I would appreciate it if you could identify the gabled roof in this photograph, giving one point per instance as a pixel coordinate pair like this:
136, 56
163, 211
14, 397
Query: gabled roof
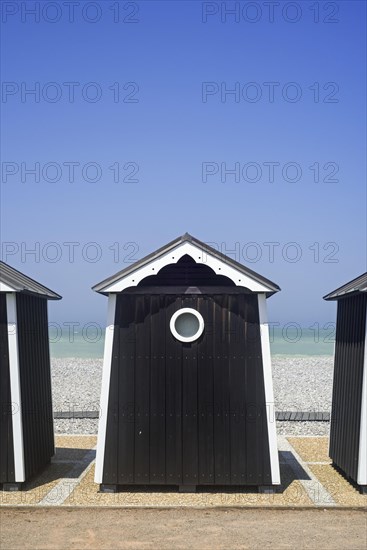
201, 253
359, 284
12, 280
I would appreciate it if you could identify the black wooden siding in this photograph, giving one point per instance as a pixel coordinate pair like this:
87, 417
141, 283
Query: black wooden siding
35, 382
189, 414
186, 272
7, 473
347, 384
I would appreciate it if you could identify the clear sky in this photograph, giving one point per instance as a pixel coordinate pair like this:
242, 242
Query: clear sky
144, 88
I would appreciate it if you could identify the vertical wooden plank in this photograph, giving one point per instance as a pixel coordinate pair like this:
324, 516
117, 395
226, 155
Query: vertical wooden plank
269, 427
221, 392
157, 392
24, 370
7, 473
173, 396
25, 332
35, 382
258, 457
251, 362
335, 426
126, 399
50, 422
109, 357
205, 393
111, 450
237, 383
189, 406
15, 385
353, 411
142, 388
347, 383
31, 325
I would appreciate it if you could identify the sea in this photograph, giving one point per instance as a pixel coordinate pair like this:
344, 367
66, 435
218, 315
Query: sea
291, 340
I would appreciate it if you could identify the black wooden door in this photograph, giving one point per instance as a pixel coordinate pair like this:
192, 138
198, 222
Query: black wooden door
187, 413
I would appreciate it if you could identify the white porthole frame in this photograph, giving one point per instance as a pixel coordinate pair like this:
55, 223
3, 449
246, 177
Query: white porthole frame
180, 312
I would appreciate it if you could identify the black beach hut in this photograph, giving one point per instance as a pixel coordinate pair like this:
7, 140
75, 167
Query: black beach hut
187, 395
348, 430
26, 428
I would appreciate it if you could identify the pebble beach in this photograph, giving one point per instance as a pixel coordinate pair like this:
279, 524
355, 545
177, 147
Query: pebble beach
301, 383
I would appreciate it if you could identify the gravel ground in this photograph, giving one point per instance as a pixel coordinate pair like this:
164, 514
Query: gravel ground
303, 383
76, 384
300, 384
303, 428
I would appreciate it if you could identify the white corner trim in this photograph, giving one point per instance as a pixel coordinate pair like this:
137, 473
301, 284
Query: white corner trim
15, 391
269, 394
105, 389
219, 266
362, 458
6, 288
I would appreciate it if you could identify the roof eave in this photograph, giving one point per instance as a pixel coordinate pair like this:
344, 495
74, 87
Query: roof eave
16, 281
101, 287
332, 297
353, 287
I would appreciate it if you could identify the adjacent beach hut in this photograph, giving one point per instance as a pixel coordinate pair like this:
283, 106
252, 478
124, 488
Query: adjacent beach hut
348, 434
187, 395
26, 428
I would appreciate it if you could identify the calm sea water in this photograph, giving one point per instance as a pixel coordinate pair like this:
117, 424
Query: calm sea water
286, 341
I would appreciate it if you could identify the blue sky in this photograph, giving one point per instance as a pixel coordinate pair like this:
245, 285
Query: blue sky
142, 101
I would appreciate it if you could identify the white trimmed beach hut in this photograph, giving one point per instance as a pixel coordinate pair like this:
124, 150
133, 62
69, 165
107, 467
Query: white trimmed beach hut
348, 430
26, 428
187, 393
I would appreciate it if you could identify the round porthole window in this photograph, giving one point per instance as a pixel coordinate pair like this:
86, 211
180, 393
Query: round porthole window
187, 324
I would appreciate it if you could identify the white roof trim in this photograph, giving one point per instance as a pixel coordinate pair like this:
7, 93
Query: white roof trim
6, 288
220, 267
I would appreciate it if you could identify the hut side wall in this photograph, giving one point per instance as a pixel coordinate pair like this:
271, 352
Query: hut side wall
35, 382
347, 384
187, 413
7, 472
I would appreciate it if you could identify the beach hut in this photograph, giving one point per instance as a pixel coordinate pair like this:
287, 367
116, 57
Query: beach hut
348, 430
26, 427
187, 396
